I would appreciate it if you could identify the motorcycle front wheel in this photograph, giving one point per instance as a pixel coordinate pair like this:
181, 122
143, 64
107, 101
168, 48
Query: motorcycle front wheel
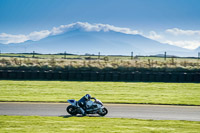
71, 110
104, 112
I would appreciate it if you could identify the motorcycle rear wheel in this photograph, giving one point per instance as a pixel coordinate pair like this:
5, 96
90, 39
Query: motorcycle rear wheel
71, 110
104, 112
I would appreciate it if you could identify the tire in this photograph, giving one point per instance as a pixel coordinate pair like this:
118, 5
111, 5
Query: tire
71, 110
104, 112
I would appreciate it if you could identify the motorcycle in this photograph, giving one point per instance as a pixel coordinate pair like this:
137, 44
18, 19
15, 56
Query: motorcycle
95, 107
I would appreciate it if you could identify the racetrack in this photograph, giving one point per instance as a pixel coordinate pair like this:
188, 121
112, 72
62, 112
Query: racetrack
138, 111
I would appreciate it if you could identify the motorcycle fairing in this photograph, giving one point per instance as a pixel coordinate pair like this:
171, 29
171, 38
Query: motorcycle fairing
72, 102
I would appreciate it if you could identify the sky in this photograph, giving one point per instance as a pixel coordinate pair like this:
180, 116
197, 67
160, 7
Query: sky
176, 22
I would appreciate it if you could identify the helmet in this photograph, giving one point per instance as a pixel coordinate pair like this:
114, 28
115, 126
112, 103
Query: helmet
87, 96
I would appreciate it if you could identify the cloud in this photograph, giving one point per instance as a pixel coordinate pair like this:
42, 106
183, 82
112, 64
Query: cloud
176, 31
154, 36
8, 38
106, 28
37, 35
92, 27
34, 36
189, 39
61, 29
185, 44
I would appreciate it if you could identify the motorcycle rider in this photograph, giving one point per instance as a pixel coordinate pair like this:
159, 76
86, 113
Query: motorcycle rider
82, 103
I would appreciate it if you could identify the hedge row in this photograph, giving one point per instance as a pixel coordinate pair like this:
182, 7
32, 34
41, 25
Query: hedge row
101, 76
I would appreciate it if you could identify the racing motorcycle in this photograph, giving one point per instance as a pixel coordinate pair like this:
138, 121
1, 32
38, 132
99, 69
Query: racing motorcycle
95, 107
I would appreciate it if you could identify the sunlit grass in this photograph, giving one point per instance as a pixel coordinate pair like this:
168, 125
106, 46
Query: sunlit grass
93, 124
109, 92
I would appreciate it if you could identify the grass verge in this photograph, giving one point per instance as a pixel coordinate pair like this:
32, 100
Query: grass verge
93, 124
92, 63
108, 92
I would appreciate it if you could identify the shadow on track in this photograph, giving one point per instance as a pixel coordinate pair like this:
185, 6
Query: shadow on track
68, 116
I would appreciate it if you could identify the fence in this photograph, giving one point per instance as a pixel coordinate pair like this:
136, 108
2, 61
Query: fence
102, 76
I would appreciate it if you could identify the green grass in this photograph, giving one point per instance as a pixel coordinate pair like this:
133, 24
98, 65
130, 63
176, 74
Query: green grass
123, 57
93, 124
56, 56
108, 92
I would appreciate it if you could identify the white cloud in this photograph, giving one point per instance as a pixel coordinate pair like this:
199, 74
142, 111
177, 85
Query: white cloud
37, 35
189, 39
184, 44
106, 28
34, 36
176, 31
92, 27
61, 29
8, 38
154, 36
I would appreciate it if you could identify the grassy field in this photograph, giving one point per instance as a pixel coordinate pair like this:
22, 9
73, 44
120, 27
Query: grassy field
108, 92
123, 63
57, 56
93, 124
112, 57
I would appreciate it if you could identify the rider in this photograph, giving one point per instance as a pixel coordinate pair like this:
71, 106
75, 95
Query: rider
82, 102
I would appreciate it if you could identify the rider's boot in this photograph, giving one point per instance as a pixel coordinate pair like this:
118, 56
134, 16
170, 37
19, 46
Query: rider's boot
83, 112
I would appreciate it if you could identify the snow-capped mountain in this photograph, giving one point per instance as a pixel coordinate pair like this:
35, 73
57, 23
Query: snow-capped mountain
81, 38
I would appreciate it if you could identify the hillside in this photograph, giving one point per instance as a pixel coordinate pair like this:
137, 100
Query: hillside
79, 40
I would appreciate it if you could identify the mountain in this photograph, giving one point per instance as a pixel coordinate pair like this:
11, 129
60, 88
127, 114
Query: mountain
78, 40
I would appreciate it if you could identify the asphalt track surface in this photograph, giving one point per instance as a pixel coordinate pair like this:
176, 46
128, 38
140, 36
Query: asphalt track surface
138, 111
